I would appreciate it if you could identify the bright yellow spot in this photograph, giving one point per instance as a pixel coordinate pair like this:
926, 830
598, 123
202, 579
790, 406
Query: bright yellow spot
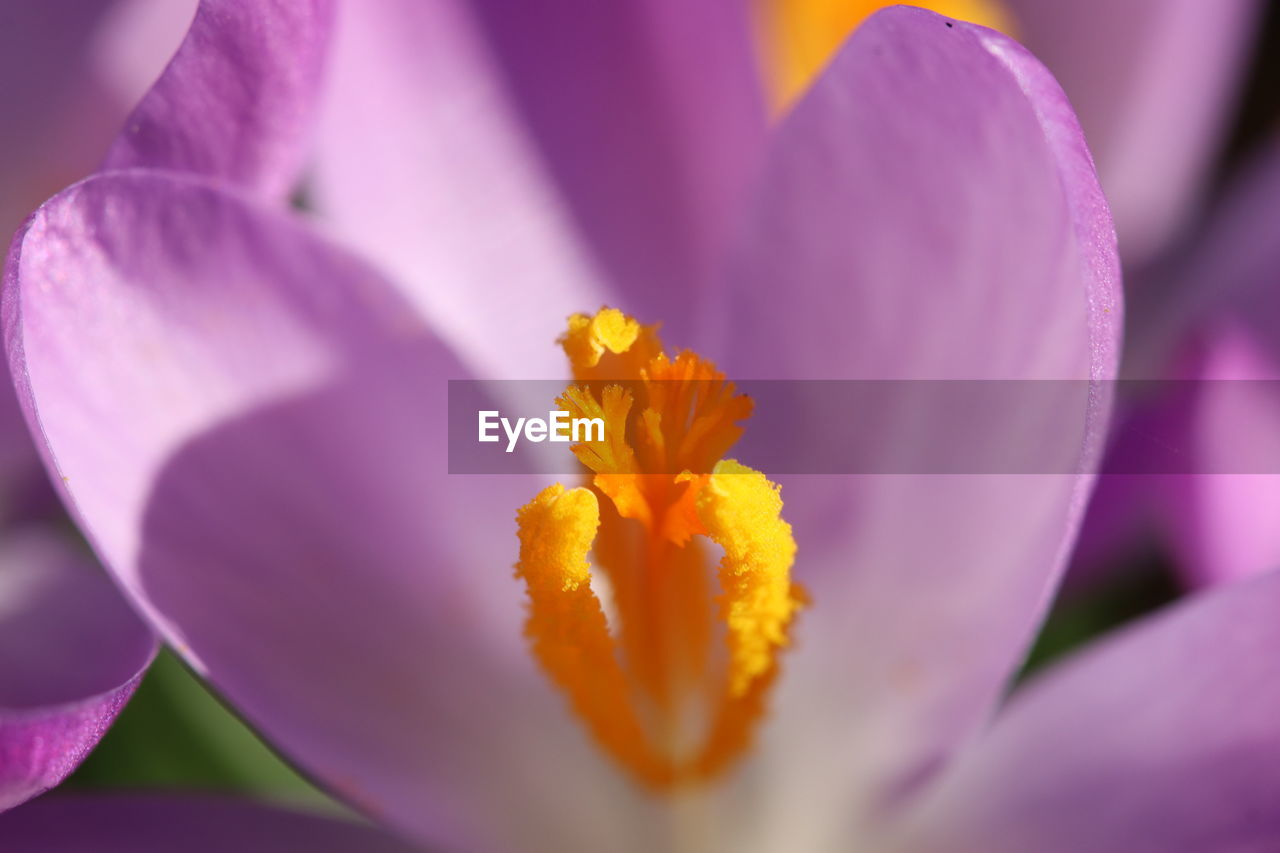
742, 510
589, 337
567, 627
798, 37
673, 689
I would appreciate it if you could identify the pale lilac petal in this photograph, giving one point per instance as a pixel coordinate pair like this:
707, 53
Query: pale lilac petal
253, 437
1153, 82
237, 102
418, 143
71, 653
1162, 739
650, 118
929, 212
136, 823
596, 144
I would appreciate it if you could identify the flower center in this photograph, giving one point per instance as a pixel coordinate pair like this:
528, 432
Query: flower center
674, 681
797, 37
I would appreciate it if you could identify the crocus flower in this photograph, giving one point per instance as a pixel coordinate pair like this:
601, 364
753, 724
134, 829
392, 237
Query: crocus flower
71, 650
245, 411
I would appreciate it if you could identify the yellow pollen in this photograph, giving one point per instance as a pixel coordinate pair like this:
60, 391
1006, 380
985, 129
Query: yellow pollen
798, 37
567, 627
589, 338
675, 684
742, 510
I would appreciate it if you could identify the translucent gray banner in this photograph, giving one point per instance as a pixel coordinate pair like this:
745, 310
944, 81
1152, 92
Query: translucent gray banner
897, 427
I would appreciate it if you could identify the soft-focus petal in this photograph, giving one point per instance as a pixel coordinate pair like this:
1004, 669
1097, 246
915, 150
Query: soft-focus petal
72, 69
1216, 319
1135, 488
22, 479
1163, 739
133, 823
253, 437
1221, 520
134, 43
238, 99
929, 212
1227, 273
68, 86
1153, 83
41, 50
591, 141
71, 653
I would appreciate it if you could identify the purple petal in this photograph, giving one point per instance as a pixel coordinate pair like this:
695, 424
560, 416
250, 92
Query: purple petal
135, 43
929, 211
237, 101
72, 69
132, 823
68, 85
1228, 273
1162, 739
35, 41
71, 653
23, 483
585, 123
1152, 82
1222, 525
253, 437
1127, 510
1216, 319
650, 117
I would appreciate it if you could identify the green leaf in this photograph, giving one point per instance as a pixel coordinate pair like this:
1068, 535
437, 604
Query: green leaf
176, 734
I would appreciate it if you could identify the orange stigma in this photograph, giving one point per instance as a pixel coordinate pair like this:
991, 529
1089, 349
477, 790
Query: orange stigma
669, 675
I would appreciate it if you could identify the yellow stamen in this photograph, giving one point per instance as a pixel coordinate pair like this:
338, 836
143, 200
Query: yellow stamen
798, 37
608, 345
674, 689
567, 626
742, 510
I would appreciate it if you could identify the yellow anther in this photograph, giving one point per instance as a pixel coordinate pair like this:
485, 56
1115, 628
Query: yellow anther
798, 37
556, 531
589, 337
741, 511
650, 687
591, 340
567, 626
